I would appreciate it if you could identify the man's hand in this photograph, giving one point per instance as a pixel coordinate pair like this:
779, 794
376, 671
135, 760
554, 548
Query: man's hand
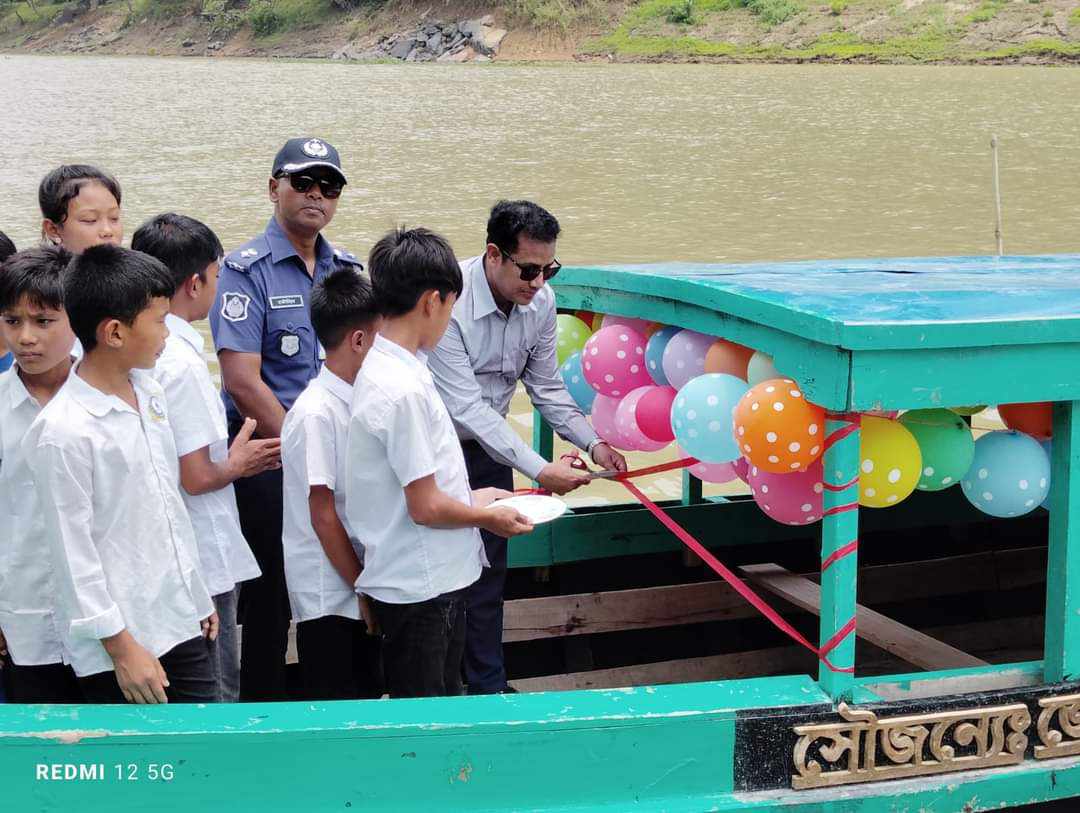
368, 615
210, 627
140, 675
483, 497
559, 478
248, 457
607, 458
505, 522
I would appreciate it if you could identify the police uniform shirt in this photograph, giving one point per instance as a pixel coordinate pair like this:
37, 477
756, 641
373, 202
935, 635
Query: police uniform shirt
262, 307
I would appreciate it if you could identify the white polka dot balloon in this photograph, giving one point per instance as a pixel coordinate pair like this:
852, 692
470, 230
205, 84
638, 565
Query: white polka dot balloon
684, 357
1009, 475
613, 361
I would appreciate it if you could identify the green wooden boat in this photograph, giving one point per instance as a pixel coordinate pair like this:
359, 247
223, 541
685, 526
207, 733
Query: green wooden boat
958, 733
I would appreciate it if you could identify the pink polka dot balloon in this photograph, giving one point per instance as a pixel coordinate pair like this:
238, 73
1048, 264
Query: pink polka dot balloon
684, 356
626, 422
613, 361
712, 472
742, 468
605, 422
793, 499
639, 326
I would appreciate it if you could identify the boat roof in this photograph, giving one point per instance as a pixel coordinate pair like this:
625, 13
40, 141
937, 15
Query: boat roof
874, 303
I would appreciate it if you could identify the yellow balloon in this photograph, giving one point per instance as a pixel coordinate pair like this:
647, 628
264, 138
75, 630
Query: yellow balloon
890, 463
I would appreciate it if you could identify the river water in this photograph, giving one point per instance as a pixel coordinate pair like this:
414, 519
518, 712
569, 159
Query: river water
639, 162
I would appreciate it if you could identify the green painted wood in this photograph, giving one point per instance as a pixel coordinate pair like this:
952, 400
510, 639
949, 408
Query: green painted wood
543, 436
691, 489
1027, 669
838, 580
1062, 642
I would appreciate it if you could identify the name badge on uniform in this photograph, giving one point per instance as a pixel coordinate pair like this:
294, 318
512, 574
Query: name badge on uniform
290, 344
281, 302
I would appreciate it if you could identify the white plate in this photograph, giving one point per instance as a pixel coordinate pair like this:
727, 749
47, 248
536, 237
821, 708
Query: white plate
536, 508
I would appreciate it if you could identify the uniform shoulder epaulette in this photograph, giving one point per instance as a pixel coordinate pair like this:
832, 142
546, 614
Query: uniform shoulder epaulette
347, 257
243, 257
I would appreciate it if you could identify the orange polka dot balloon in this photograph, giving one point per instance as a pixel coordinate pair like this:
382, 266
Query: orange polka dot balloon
777, 429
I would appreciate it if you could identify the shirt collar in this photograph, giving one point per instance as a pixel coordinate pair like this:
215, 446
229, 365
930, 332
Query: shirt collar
384, 345
17, 388
483, 301
281, 248
93, 400
183, 330
337, 386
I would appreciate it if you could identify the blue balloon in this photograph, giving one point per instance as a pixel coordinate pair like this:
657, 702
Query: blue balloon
701, 417
1009, 476
654, 353
575, 382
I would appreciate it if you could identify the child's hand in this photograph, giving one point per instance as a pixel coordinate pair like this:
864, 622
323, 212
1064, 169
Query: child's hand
368, 615
140, 675
248, 457
506, 522
210, 627
483, 497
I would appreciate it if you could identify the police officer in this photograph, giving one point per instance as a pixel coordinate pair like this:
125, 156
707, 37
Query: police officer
268, 353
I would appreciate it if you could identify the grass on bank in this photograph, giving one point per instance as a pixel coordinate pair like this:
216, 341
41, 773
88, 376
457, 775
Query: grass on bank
30, 16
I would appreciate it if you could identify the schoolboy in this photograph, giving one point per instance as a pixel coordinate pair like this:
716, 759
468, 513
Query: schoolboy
339, 655
208, 465
34, 325
132, 604
407, 493
80, 207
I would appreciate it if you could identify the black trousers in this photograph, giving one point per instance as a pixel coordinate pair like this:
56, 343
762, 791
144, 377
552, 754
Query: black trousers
422, 645
50, 683
187, 666
263, 610
338, 659
484, 669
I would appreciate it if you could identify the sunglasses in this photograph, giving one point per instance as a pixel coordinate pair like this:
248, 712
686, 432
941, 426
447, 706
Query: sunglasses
530, 271
302, 183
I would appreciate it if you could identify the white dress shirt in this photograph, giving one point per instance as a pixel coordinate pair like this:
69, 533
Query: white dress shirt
123, 548
400, 432
197, 417
313, 447
26, 578
481, 358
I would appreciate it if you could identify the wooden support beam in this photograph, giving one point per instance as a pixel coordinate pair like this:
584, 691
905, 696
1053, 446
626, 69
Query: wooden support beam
906, 643
1062, 635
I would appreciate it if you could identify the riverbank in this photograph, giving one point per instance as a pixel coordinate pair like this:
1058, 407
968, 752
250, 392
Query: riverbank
881, 31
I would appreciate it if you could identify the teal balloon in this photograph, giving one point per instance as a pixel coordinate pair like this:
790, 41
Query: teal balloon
701, 417
946, 444
654, 353
761, 368
574, 379
1009, 475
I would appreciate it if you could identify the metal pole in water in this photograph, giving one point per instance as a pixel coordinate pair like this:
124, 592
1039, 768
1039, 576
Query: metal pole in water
997, 196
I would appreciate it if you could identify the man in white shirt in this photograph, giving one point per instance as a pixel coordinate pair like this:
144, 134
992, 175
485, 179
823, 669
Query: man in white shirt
407, 493
208, 465
502, 332
35, 328
132, 606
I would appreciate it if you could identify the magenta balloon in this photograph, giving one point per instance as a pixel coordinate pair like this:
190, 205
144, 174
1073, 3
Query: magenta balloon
613, 361
605, 423
654, 413
626, 423
794, 498
742, 468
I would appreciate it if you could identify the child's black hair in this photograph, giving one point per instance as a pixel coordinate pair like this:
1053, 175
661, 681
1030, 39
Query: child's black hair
58, 188
509, 219
7, 248
109, 282
341, 302
37, 274
406, 263
185, 245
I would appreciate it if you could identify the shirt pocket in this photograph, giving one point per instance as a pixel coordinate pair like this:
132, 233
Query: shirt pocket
288, 336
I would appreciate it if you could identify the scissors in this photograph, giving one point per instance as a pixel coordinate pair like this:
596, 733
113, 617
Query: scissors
577, 463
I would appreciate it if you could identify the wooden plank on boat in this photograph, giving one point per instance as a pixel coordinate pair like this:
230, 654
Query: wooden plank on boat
906, 643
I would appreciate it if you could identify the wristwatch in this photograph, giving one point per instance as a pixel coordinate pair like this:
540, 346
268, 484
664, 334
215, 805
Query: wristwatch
592, 446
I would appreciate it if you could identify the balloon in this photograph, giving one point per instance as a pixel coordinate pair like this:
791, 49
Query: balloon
968, 411
701, 417
945, 444
570, 335
727, 357
742, 468
574, 379
653, 413
639, 326
1033, 419
761, 368
890, 462
588, 317
605, 423
1009, 476
627, 425
712, 472
614, 361
652, 328
793, 499
654, 353
684, 357
777, 429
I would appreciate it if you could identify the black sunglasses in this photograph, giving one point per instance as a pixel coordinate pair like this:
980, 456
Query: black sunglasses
530, 271
302, 183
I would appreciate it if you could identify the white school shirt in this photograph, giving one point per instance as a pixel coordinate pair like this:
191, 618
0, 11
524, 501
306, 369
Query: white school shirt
123, 548
399, 432
26, 579
197, 417
313, 451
